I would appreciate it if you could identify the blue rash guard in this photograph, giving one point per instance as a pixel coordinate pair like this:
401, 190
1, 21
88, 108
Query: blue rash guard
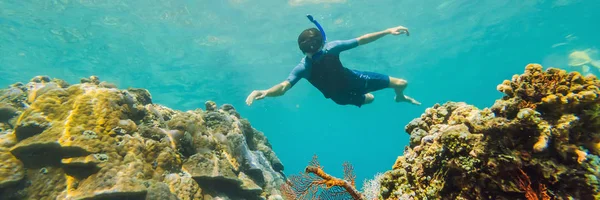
344, 86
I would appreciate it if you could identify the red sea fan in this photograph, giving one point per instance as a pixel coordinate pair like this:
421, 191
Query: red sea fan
314, 183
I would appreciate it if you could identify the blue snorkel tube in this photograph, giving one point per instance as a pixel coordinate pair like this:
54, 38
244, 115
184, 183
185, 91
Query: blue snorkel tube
310, 17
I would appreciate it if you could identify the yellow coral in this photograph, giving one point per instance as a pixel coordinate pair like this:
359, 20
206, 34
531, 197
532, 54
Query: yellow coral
594, 146
553, 92
505, 88
581, 155
550, 87
550, 99
100, 105
85, 130
11, 169
231, 160
545, 133
71, 112
587, 95
398, 163
541, 109
541, 144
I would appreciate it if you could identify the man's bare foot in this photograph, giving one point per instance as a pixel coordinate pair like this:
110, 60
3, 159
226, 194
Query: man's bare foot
407, 99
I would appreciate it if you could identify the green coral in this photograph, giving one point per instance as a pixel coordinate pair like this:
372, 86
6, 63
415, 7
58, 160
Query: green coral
593, 115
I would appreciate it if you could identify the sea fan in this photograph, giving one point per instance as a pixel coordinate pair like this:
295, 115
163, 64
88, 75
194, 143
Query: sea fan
314, 183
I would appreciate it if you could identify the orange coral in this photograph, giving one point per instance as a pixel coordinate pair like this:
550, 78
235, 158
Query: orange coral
527, 104
316, 184
525, 184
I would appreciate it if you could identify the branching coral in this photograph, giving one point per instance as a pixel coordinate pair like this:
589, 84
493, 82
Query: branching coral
524, 184
314, 183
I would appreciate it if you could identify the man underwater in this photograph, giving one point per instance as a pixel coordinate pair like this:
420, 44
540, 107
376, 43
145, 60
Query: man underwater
321, 66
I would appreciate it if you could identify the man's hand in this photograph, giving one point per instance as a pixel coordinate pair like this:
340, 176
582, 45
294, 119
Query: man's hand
398, 30
275, 91
255, 95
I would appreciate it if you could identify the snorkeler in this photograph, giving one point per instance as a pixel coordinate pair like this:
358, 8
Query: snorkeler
321, 66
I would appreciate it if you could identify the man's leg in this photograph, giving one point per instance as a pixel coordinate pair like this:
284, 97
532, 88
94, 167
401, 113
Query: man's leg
399, 85
376, 81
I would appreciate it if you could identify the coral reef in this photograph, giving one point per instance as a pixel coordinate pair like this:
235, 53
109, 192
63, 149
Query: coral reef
540, 141
93, 141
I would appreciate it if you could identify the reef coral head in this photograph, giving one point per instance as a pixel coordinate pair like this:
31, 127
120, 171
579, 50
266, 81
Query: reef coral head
564, 106
540, 141
554, 90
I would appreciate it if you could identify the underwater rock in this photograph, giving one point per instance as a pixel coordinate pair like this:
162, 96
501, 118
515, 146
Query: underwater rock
228, 108
256, 140
209, 167
40, 79
7, 112
93, 141
161, 191
92, 79
218, 175
183, 186
210, 106
142, 96
107, 85
11, 169
12, 99
30, 124
539, 141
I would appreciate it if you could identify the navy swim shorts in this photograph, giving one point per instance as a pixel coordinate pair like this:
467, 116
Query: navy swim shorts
361, 84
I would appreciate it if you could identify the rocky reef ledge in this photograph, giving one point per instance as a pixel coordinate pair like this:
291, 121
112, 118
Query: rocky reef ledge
93, 141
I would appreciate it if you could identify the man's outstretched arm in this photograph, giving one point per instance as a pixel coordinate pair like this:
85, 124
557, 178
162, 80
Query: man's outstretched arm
370, 37
275, 91
279, 89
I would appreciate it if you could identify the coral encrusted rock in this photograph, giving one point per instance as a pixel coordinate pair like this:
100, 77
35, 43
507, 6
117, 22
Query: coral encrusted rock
92, 140
540, 141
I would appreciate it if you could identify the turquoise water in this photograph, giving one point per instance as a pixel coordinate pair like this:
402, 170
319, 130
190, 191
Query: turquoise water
188, 52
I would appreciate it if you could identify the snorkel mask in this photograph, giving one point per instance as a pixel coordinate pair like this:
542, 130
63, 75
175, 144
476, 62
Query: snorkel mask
310, 17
